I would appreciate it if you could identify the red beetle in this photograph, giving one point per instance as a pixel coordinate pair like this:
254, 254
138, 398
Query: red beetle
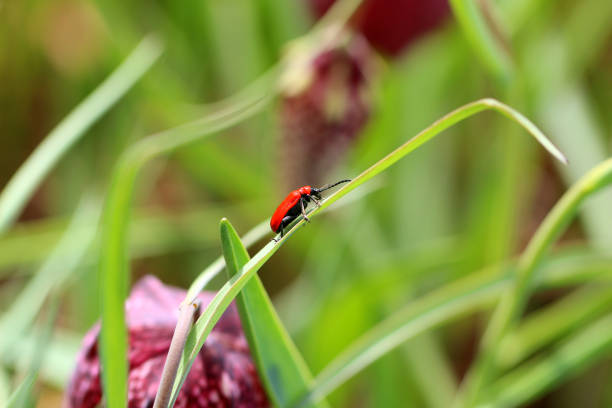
295, 204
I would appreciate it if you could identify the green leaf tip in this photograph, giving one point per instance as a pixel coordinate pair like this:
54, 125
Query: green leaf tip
527, 125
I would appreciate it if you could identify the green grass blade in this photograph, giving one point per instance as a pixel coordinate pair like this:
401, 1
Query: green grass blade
229, 291
512, 303
569, 359
545, 326
279, 363
417, 317
114, 269
450, 302
22, 185
436, 128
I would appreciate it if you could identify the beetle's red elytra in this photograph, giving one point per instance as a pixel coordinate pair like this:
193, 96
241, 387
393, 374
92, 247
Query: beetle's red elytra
295, 204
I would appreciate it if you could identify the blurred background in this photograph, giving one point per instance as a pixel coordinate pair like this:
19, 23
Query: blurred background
469, 199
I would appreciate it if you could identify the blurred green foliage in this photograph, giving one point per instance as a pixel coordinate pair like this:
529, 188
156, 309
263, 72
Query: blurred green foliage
462, 203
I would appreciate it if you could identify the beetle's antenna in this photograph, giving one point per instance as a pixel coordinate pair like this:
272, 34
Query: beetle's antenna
328, 186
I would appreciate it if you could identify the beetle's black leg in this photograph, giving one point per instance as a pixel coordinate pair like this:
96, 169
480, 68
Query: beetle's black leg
282, 234
286, 221
316, 201
304, 210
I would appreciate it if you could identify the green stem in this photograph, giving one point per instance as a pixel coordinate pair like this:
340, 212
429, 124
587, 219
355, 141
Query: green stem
513, 302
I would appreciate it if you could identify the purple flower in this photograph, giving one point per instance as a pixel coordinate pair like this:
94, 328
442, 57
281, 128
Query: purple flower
223, 375
325, 104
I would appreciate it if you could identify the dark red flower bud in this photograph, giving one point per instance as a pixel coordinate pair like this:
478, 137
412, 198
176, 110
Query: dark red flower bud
325, 104
223, 375
391, 25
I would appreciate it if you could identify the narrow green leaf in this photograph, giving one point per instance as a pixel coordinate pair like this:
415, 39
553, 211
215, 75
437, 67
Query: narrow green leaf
513, 301
23, 183
545, 326
441, 306
279, 363
417, 317
573, 356
226, 294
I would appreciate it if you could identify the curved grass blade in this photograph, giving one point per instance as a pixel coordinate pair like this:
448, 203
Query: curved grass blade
227, 293
23, 183
441, 306
542, 327
114, 270
573, 356
512, 303
279, 363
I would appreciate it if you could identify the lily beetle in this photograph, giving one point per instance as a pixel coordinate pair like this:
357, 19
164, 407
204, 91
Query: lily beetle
295, 204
